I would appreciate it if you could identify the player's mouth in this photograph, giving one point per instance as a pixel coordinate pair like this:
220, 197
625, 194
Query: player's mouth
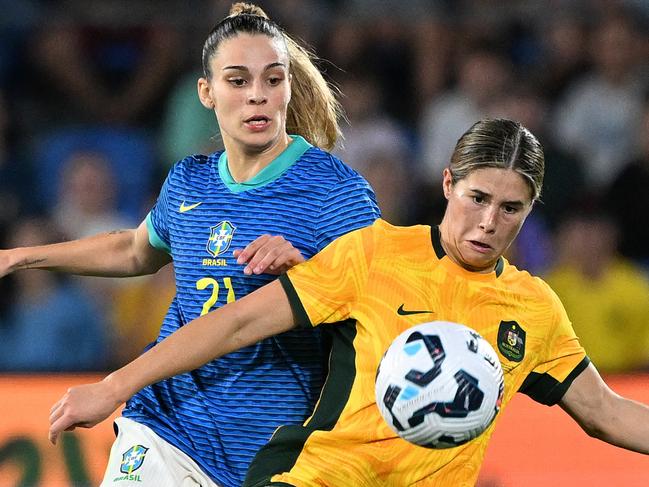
257, 123
481, 247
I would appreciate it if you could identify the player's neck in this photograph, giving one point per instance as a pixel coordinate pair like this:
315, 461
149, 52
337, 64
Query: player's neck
245, 162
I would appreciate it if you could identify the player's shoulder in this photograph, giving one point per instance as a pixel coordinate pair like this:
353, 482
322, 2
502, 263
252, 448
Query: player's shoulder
392, 239
194, 163
386, 229
193, 168
523, 282
326, 166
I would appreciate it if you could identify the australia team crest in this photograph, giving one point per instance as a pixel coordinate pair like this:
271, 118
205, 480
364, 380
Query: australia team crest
511, 340
220, 238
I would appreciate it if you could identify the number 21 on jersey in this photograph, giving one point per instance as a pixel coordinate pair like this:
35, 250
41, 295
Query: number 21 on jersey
206, 282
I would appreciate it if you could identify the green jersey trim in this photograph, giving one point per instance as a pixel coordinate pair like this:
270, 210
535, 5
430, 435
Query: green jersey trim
154, 239
270, 173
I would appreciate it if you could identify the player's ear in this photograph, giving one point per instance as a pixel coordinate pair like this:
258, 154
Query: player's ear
447, 182
204, 94
290, 86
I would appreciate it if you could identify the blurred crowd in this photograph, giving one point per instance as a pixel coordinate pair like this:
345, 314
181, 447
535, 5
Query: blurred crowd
98, 100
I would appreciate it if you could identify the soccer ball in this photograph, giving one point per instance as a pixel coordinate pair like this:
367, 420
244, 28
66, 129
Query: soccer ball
439, 384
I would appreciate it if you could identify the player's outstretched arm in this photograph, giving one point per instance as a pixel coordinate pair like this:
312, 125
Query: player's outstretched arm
261, 314
271, 254
605, 415
115, 254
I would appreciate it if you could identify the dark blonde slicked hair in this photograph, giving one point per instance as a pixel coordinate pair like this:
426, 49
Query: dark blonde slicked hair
503, 144
313, 111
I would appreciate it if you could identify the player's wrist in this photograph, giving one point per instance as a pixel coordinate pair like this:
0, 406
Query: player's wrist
118, 387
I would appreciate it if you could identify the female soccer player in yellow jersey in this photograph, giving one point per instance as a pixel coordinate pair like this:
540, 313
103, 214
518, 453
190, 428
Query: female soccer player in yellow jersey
364, 281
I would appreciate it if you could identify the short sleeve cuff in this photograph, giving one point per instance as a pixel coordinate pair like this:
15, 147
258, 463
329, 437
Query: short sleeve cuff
545, 389
154, 239
301, 317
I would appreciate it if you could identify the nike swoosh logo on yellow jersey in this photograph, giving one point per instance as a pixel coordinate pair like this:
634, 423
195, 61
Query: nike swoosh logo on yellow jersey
404, 312
184, 208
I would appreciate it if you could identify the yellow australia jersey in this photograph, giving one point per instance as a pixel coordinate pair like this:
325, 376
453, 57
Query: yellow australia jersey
366, 288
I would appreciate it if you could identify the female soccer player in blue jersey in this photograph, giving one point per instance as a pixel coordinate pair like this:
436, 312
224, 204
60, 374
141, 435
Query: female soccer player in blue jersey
274, 110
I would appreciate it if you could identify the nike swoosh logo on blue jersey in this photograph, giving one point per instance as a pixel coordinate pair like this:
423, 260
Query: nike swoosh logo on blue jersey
184, 208
404, 312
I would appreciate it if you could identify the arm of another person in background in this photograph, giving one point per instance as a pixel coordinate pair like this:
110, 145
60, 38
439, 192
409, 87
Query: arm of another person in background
605, 415
271, 254
120, 253
263, 313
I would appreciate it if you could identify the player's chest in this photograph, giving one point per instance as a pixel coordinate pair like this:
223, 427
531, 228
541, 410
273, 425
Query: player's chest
514, 326
204, 229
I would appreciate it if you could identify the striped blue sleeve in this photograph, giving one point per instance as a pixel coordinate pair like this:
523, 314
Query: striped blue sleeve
349, 205
157, 221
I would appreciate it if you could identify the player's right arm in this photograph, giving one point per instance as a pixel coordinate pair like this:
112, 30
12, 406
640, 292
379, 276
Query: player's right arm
263, 313
120, 253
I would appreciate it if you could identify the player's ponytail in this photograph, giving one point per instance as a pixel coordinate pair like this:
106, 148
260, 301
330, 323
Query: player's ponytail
313, 111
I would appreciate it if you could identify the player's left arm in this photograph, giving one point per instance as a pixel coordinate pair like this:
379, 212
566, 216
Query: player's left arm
605, 415
263, 313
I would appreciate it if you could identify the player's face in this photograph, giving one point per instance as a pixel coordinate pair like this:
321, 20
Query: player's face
485, 212
250, 90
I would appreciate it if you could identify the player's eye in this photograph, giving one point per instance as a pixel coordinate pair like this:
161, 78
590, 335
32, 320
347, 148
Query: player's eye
510, 209
478, 199
237, 81
274, 80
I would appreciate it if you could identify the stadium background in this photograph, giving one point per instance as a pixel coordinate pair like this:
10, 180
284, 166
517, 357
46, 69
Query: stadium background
97, 100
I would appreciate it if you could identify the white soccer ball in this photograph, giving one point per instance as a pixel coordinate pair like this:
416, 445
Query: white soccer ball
439, 384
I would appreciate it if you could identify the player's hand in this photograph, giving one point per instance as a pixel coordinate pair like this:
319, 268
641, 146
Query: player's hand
82, 406
268, 254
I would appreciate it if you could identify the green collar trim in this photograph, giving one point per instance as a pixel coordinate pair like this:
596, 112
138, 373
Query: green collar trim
270, 173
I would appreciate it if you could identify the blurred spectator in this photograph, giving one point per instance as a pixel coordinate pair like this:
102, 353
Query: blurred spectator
604, 294
483, 74
107, 61
433, 49
17, 23
376, 145
564, 172
129, 152
87, 194
137, 311
52, 324
15, 174
628, 198
368, 129
563, 36
377, 45
187, 126
599, 115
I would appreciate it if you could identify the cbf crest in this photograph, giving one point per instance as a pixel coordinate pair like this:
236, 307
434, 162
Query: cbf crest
220, 238
511, 340
132, 459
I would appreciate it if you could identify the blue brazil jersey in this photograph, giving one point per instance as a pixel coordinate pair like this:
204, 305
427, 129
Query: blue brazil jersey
222, 413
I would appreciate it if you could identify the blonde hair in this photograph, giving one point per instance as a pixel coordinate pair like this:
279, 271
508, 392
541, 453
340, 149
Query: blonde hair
314, 110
